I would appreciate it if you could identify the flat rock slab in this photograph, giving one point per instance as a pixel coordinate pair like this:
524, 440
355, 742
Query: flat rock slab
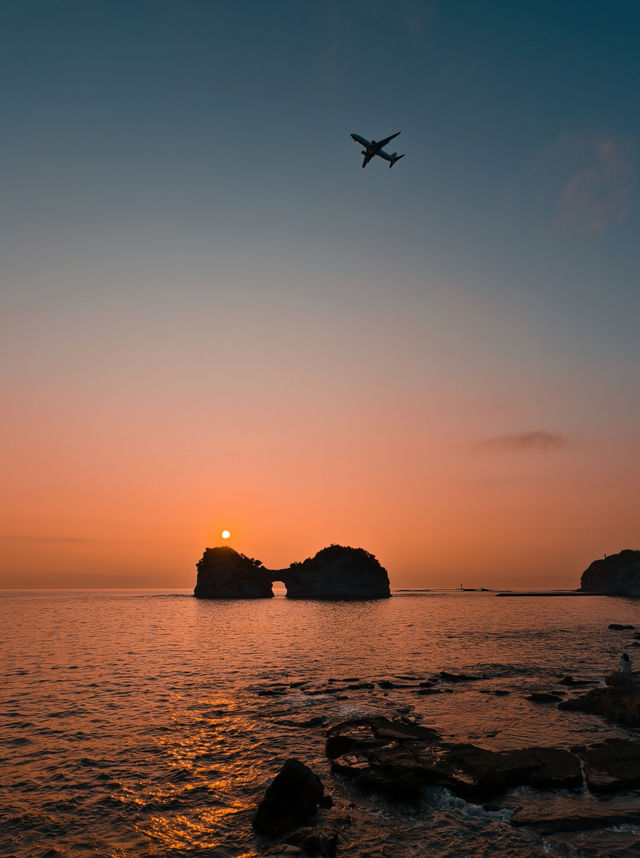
445, 676
320, 841
572, 682
301, 722
398, 759
284, 850
364, 735
575, 822
544, 697
630, 681
612, 765
494, 772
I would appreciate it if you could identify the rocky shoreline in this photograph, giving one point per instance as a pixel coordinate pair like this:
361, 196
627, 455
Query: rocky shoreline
396, 757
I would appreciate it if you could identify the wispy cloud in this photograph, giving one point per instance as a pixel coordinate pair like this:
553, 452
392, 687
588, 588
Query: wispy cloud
538, 441
593, 179
600, 195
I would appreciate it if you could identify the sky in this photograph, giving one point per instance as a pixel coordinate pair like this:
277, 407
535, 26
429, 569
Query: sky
211, 317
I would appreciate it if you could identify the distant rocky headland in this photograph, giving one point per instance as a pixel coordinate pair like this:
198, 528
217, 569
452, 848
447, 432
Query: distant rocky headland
615, 575
335, 572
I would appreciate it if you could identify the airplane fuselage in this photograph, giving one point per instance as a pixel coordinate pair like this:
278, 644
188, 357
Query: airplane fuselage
361, 141
374, 147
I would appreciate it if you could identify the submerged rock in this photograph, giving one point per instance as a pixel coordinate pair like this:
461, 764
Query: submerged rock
573, 682
226, 574
337, 572
615, 575
456, 677
577, 820
291, 800
284, 850
544, 697
322, 840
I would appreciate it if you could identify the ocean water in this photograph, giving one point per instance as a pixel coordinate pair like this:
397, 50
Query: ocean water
149, 723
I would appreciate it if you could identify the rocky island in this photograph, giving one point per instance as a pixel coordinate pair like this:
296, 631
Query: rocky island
335, 572
615, 575
223, 573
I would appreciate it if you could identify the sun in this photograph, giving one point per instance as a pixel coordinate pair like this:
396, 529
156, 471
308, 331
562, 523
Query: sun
225, 534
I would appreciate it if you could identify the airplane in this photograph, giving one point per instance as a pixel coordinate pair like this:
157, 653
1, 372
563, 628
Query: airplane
374, 147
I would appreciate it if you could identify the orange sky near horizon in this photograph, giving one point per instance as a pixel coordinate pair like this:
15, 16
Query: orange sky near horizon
125, 482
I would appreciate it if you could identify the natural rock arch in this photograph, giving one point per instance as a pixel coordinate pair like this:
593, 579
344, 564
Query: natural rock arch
335, 572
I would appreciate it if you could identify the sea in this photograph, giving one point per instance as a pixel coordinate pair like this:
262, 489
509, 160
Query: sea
149, 723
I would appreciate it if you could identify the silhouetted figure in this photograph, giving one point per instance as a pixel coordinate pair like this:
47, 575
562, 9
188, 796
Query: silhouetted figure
624, 665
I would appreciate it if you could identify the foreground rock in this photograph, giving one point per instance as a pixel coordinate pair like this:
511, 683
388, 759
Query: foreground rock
291, 800
226, 574
494, 772
398, 759
578, 820
320, 841
615, 575
619, 701
612, 765
337, 572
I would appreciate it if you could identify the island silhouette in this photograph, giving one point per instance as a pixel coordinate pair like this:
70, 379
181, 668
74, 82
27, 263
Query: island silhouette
614, 574
335, 572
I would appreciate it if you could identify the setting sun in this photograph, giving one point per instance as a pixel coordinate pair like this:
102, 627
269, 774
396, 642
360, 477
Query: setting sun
225, 534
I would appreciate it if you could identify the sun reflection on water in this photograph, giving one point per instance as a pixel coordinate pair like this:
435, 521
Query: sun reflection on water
200, 830
206, 774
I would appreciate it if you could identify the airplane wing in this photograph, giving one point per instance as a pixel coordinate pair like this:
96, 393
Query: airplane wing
384, 142
367, 157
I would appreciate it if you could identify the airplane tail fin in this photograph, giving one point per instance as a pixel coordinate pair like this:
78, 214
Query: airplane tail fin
394, 158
